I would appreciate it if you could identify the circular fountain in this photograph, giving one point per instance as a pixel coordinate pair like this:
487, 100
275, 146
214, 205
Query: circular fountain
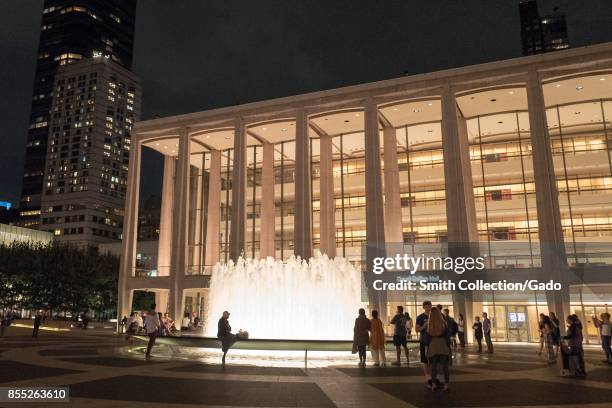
290, 300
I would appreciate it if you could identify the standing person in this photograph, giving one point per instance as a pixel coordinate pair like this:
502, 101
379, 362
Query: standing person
37, 321
3, 324
605, 331
438, 350
477, 327
541, 331
399, 335
547, 335
453, 328
377, 340
224, 333
421, 328
361, 337
123, 326
486, 328
574, 346
461, 330
409, 326
152, 325
556, 334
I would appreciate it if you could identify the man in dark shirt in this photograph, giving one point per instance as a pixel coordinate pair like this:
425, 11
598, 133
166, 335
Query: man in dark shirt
421, 328
224, 333
399, 335
486, 328
37, 321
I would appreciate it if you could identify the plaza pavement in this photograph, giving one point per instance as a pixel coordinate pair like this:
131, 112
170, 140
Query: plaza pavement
102, 370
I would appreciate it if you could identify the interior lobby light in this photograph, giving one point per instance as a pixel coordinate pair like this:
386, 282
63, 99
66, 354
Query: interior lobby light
263, 128
283, 129
511, 92
395, 109
430, 104
579, 87
602, 79
558, 85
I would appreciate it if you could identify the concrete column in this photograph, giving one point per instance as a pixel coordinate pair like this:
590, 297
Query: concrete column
161, 300
302, 232
237, 236
327, 218
552, 246
266, 220
130, 232
375, 219
196, 187
393, 203
180, 225
165, 217
213, 220
460, 209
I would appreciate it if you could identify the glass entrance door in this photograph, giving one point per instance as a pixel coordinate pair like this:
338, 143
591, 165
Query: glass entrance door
518, 327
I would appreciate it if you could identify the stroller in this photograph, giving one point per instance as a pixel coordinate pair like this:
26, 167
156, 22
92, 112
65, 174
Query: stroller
573, 361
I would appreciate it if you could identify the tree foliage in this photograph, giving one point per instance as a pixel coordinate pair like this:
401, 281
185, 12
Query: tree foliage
57, 277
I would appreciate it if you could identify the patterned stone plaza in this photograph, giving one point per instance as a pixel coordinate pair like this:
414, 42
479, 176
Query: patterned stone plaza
102, 370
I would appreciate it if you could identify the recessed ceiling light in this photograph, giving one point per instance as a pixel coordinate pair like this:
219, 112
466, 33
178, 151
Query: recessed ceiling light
208, 136
511, 92
579, 87
284, 129
357, 114
227, 137
429, 104
173, 151
416, 110
602, 79
558, 85
493, 100
577, 113
263, 128
156, 144
472, 97
395, 109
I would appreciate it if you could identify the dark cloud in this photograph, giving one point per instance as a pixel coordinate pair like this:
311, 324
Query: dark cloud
194, 55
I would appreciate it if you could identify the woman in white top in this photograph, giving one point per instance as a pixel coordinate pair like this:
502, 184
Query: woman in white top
605, 331
461, 330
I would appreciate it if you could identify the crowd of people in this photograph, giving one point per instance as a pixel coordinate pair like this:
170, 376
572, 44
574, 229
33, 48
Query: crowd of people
438, 333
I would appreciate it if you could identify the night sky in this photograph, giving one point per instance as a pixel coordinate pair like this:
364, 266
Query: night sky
200, 54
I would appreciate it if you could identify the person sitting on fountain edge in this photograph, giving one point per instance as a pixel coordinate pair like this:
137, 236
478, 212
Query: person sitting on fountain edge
224, 333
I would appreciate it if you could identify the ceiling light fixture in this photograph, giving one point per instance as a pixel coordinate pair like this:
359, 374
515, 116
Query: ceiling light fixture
395, 109
284, 129
227, 137
558, 85
263, 128
430, 104
579, 87
602, 79
511, 92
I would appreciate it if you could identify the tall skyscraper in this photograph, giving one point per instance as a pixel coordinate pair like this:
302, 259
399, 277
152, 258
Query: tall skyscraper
542, 34
71, 30
95, 105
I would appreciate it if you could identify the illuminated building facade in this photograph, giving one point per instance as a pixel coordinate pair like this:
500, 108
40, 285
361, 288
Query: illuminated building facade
71, 30
511, 156
95, 105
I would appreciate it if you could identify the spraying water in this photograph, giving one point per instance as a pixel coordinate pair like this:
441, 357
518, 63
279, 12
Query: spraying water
294, 299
